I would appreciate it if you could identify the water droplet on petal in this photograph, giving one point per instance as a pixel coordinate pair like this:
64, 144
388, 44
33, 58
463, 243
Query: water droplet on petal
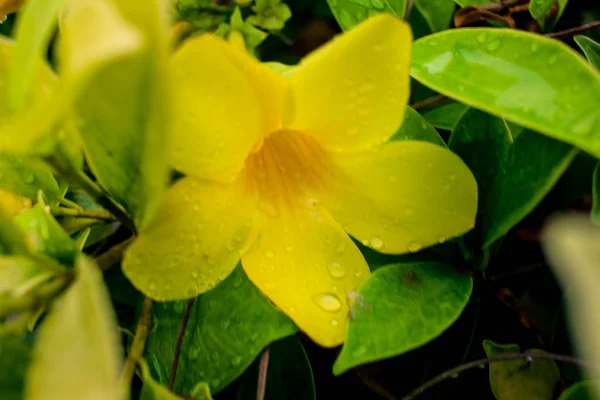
336, 270
151, 284
288, 249
28, 177
358, 274
413, 247
269, 254
365, 242
334, 322
377, 243
327, 302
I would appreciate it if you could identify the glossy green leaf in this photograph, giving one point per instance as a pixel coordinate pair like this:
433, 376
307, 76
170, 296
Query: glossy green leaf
494, 70
77, 352
539, 9
447, 116
14, 359
35, 25
270, 14
44, 84
401, 307
12, 239
289, 375
121, 95
46, 235
583, 390
415, 127
595, 213
437, 13
228, 327
18, 274
513, 173
153, 390
349, 13
571, 246
590, 48
24, 176
520, 379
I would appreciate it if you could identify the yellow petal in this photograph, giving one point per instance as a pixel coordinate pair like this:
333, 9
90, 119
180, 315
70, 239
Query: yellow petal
352, 92
306, 264
14, 204
226, 101
403, 196
195, 241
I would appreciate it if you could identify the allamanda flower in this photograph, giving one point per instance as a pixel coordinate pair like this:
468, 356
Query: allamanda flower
282, 169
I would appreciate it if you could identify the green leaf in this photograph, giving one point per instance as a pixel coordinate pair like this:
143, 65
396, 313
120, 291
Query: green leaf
270, 14
539, 9
14, 359
446, 116
513, 172
583, 390
494, 70
35, 25
571, 246
415, 127
437, 13
349, 13
77, 352
18, 274
24, 176
46, 235
289, 375
153, 390
12, 239
228, 327
520, 379
590, 48
401, 307
121, 96
595, 213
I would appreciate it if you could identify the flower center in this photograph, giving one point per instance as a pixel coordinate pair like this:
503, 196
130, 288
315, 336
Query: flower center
287, 169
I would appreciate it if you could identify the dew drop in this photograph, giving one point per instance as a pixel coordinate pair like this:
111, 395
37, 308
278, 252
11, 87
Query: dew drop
340, 248
194, 353
195, 274
28, 177
393, 178
215, 383
534, 47
377, 243
365, 242
327, 302
585, 126
493, 45
442, 239
336, 270
288, 249
237, 283
424, 125
334, 322
481, 38
151, 284
358, 274
269, 254
191, 291
235, 361
168, 285
413, 247
552, 60
360, 351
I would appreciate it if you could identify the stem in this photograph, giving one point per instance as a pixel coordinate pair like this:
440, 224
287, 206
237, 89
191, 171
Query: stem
82, 213
180, 336
409, 6
68, 203
374, 386
136, 351
574, 31
35, 299
428, 102
262, 375
452, 373
79, 178
113, 255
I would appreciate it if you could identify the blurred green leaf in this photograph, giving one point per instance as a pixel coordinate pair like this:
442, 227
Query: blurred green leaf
513, 172
401, 307
12, 239
539, 9
437, 13
46, 235
492, 69
153, 390
349, 13
595, 212
415, 127
571, 246
270, 14
228, 327
289, 375
14, 360
446, 116
521, 379
583, 390
253, 37
18, 274
24, 176
77, 353
590, 48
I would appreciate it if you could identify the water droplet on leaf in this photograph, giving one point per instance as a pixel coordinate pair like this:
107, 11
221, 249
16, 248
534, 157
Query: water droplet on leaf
327, 302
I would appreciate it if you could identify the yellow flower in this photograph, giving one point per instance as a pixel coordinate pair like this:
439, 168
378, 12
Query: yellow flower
280, 169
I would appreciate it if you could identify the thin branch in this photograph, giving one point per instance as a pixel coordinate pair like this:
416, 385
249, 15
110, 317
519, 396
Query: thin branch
82, 213
180, 336
136, 351
262, 375
61, 164
574, 31
428, 102
409, 6
529, 356
374, 386
523, 270
68, 203
499, 6
113, 255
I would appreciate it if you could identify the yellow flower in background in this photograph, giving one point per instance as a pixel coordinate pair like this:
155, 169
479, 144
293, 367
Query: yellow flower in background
281, 170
